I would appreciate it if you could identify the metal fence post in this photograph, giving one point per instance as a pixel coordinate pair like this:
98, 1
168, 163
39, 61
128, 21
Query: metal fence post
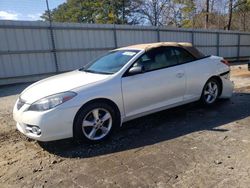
52, 37
238, 47
217, 43
192, 37
158, 34
115, 36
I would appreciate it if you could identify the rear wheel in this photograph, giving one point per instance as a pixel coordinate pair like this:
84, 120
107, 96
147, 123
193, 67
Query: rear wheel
210, 92
95, 122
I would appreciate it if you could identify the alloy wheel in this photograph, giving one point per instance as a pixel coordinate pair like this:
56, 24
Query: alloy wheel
211, 92
97, 124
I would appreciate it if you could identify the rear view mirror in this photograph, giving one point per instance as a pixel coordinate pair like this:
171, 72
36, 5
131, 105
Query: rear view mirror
136, 70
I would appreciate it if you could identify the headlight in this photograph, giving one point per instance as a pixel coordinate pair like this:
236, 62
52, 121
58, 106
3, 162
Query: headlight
51, 101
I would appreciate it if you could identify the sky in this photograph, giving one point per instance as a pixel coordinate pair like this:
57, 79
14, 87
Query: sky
29, 10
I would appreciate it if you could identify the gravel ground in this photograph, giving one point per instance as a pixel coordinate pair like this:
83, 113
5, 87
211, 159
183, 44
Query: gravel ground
189, 146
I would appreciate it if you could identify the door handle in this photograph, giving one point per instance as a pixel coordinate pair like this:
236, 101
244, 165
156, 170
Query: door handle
180, 75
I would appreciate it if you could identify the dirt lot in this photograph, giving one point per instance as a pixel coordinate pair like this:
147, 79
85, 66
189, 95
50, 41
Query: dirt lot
190, 146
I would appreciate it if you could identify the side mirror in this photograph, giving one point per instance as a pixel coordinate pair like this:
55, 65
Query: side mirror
136, 70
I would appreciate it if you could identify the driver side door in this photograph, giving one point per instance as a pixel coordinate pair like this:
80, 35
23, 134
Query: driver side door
160, 85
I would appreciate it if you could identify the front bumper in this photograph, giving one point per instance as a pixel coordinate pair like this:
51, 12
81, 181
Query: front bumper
55, 124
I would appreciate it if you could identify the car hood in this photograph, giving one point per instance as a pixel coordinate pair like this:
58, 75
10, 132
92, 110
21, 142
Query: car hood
60, 83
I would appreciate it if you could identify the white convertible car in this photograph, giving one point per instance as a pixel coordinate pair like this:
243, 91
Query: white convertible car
126, 83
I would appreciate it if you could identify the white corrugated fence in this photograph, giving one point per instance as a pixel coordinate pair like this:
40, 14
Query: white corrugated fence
32, 50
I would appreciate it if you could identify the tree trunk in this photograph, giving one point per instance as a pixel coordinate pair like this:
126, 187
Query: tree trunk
155, 3
244, 27
123, 11
207, 13
230, 14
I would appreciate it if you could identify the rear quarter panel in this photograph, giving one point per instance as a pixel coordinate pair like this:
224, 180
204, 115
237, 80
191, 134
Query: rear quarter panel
197, 74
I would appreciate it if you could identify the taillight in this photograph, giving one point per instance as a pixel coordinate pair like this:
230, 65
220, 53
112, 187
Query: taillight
225, 62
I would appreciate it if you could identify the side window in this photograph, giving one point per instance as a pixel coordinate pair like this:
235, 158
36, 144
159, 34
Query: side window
157, 58
171, 57
183, 56
144, 61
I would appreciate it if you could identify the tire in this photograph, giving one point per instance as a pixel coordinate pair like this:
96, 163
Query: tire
95, 122
210, 92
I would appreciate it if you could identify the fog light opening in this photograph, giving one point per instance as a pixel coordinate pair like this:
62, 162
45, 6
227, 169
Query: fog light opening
34, 129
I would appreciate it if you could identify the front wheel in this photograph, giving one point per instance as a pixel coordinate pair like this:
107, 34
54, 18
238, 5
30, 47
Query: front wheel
95, 122
210, 92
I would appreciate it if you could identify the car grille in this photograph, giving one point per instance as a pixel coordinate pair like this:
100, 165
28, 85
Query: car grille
20, 103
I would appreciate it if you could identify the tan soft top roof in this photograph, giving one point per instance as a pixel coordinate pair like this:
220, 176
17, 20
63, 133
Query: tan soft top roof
148, 46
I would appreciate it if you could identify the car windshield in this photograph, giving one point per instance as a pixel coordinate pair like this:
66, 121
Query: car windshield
111, 62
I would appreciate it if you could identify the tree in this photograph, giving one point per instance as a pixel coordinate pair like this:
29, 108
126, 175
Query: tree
93, 11
213, 14
187, 9
241, 12
74, 11
153, 11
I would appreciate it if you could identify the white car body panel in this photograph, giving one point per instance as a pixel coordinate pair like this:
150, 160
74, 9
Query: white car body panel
227, 90
134, 96
197, 73
54, 123
152, 90
60, 83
